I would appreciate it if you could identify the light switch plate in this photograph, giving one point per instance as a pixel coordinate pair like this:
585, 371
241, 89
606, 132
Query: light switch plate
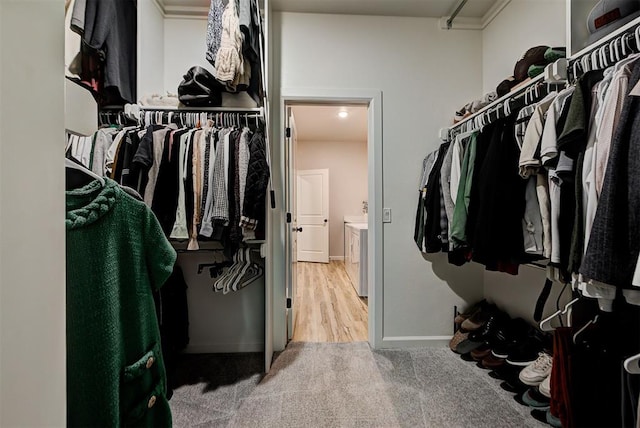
386, 215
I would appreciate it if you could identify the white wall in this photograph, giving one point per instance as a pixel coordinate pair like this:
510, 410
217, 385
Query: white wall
151, 53
185, 45
347, 165
522, 24
81, 109
32, 243
410, 60
517, 295
218, 322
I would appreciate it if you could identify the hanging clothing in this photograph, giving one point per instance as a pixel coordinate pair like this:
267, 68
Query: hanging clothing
257, 181
110, 28
207, 218
165, 202
529, 161
432, 229
427, 166
214, 30
117, 256
459, 222
180, 230
229, 61
614, 244
497, 238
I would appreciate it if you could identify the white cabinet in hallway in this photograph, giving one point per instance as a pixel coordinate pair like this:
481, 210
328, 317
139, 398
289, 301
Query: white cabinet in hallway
355, 256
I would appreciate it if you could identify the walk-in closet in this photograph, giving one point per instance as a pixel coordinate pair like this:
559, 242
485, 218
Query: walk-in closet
154, 280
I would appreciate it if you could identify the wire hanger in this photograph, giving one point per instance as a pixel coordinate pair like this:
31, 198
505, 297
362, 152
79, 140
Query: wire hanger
545, 324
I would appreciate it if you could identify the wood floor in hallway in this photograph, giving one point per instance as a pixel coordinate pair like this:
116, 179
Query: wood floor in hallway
327, 307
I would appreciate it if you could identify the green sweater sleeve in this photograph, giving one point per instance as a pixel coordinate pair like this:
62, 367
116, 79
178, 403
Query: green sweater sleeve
459, 222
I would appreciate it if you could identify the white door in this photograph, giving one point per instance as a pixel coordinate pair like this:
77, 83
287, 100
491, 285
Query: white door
291, 227
313, 215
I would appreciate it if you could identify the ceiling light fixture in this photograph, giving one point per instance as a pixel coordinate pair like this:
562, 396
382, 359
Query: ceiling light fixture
343, 114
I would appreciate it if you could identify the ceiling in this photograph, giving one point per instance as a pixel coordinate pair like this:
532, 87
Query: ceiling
421, 8
321, 123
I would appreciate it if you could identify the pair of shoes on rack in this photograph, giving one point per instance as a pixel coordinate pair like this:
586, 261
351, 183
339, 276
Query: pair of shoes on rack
479, 317
470, 320
535, 373
521, 344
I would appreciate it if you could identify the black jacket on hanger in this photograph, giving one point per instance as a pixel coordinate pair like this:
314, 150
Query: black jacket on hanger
497, 241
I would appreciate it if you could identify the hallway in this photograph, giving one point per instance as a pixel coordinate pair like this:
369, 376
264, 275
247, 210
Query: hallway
327, 308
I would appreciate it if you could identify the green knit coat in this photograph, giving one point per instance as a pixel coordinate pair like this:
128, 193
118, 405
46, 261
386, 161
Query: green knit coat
117, 255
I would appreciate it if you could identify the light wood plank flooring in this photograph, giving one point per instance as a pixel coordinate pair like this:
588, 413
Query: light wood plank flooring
327, 307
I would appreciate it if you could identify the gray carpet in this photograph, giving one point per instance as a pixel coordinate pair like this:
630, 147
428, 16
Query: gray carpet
342, 385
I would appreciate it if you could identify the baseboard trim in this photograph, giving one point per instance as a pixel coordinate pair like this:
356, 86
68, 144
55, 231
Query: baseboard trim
336, 258
224, 348
390, 342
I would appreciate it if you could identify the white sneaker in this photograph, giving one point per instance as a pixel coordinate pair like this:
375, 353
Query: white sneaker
537, 371
545, 386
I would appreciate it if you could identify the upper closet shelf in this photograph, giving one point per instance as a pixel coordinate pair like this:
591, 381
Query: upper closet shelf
203, 109
601, 54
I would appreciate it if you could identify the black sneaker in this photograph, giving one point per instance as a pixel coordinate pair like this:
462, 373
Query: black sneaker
507, 337
495, 322
527, 352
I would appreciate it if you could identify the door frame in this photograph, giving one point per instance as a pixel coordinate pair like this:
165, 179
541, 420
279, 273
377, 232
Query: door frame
373, 99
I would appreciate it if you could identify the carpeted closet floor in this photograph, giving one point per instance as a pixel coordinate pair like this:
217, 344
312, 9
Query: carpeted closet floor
342, 385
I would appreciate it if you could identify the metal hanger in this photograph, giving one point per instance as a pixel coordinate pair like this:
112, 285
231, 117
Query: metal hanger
545, 324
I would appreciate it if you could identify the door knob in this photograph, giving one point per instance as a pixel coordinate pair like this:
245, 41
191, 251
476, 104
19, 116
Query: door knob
297, 229
325, 220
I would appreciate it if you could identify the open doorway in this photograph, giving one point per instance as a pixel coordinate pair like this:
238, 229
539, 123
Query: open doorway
327, 196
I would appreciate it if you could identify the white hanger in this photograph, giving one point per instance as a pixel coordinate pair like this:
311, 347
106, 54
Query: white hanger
637, 38
545, 323
576, 66
632, 364
586, 65
595, 60
68, 163
613, 50
602, 57
624, 44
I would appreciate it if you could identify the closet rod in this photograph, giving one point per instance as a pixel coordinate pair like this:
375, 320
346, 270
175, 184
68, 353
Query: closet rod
455, 13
